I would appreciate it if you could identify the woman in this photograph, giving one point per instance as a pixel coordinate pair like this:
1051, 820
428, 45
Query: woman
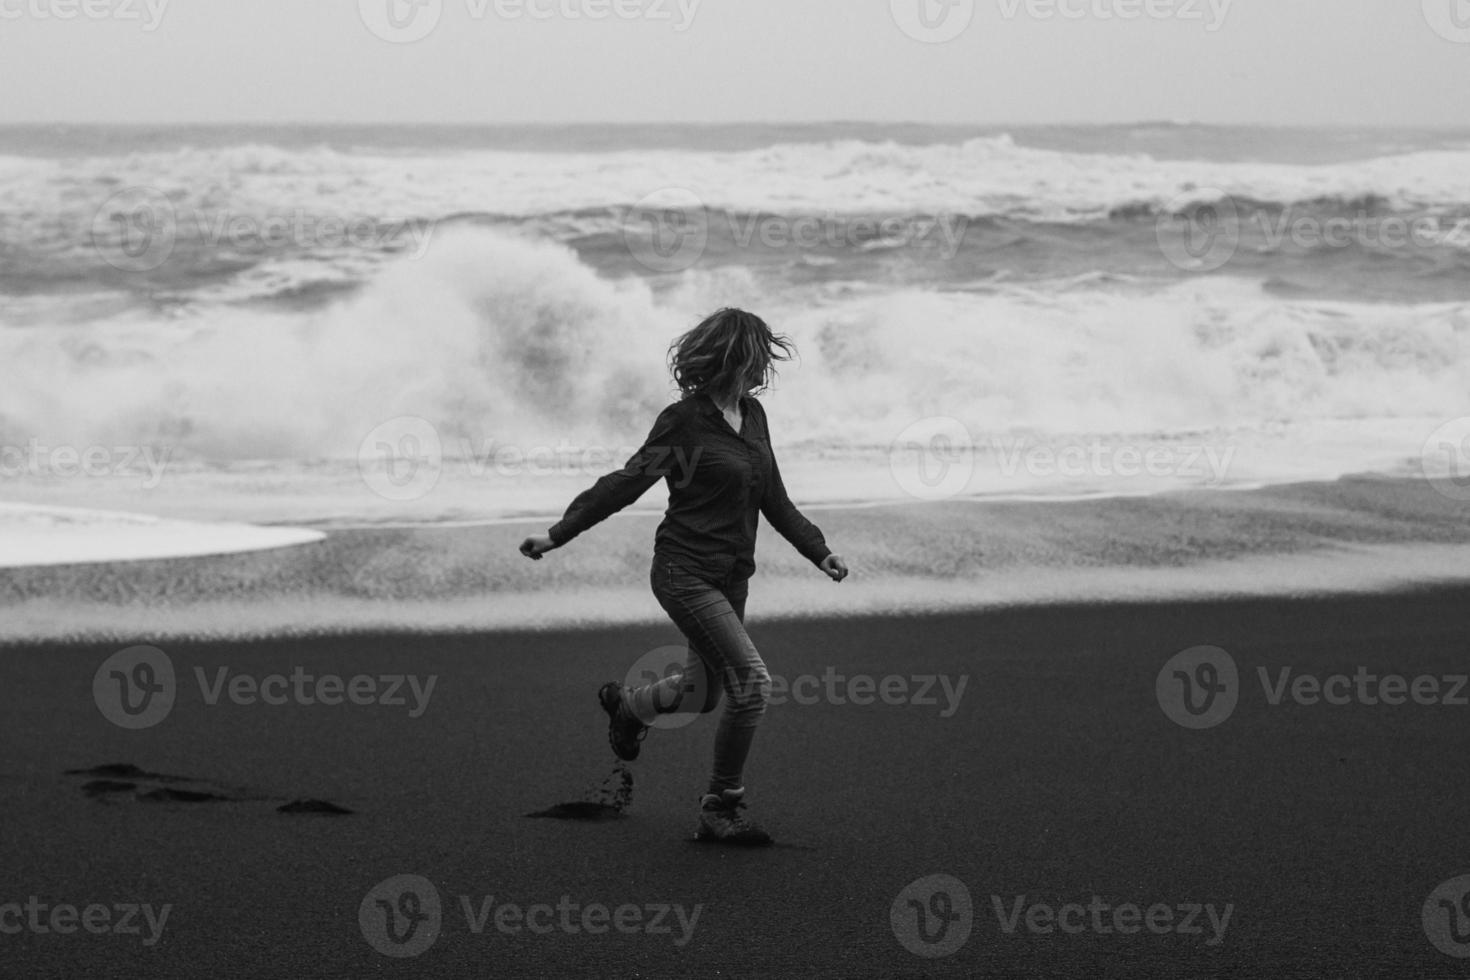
714, 449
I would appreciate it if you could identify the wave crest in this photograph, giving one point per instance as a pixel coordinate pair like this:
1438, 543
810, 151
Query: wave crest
493, 335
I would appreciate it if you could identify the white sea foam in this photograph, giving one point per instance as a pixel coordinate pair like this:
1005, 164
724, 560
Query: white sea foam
494, 336
33, 535
982, 176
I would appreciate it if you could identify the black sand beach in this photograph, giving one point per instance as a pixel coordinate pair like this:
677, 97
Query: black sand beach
1057, 776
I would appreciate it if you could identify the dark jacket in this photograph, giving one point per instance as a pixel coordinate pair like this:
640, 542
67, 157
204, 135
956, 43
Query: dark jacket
718, 482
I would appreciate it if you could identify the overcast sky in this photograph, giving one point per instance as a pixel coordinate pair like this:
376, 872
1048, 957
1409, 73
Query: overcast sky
1268, 61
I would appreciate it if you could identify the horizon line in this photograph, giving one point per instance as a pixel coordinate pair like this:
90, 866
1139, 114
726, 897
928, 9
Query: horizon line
13, 124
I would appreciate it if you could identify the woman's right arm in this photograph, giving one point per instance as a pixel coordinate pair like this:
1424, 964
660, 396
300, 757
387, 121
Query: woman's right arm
622, 487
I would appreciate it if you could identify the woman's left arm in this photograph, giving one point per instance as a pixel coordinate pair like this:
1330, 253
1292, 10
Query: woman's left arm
805, 536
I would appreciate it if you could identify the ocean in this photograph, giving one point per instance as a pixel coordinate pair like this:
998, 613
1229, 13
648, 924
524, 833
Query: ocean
340, 326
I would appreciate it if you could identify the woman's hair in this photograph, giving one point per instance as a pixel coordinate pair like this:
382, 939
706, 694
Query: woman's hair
730, 353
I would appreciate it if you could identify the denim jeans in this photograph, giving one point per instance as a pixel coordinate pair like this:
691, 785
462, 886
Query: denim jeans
722, 660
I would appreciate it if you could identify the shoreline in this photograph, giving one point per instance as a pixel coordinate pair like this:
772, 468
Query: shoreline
141, 628
1354, 536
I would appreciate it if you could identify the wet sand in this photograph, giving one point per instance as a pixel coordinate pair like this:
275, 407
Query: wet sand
1360, 535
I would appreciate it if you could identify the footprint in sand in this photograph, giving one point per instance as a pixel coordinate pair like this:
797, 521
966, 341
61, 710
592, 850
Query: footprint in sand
607, 801
119, 782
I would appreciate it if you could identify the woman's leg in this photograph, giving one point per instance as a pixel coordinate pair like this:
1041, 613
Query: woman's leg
695, 687
713, 621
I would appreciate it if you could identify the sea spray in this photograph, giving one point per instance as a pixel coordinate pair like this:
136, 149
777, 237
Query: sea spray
498, 339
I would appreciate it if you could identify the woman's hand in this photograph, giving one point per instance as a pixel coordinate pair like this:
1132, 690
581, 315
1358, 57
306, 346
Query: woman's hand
537, 545
835, 568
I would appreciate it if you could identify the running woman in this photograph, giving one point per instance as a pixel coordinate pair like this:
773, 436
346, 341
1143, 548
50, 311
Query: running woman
713, 448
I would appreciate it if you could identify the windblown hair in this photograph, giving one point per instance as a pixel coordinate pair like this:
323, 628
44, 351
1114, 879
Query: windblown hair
730, 353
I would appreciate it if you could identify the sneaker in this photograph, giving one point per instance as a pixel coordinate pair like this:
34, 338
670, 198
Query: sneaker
624, 731
720, 820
